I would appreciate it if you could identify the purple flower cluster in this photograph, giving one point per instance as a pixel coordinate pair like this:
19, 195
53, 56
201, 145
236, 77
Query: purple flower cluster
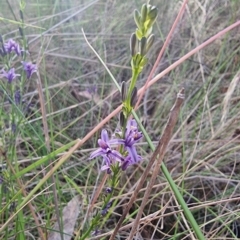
9, 47
106, 208
111, 156
29, 68
12, 46
10, 75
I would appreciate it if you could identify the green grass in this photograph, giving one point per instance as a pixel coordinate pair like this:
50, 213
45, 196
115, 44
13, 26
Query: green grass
203, 156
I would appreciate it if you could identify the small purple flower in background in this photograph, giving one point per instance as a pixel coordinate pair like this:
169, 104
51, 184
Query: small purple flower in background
110, 156
13, 127
1, 179
106, 208
96, 232
12, 46
17, 97
108, 190
92, 89
10, 75
29, 68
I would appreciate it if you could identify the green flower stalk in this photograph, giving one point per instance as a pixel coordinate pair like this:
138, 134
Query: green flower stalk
140, 43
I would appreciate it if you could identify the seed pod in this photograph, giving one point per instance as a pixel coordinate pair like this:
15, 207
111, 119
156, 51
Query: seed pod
143, 44
144, 12
133, 44
133, 97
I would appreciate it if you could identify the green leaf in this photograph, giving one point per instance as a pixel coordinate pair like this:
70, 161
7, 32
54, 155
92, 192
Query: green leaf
43, 160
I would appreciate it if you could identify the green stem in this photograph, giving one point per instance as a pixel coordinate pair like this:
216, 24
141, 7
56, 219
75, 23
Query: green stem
135, 74
99, 218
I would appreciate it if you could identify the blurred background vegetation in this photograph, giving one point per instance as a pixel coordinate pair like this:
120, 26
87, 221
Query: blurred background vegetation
203, 157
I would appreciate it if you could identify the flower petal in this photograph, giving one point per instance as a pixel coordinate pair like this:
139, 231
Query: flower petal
96, 153
104, 135
117, 155
105, 167
133, 153
102, 144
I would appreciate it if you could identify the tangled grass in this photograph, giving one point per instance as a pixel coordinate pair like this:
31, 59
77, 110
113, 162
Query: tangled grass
203, 155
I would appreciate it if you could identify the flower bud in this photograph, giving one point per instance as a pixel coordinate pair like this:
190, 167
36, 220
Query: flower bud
21, 15
17, 97
137, 18
143, 44
150, 42
108, 190
133, 44
152, 14
144, 12
143, 62
136, 61
124, 91
122, 119
106, 208
21, 31
133, 97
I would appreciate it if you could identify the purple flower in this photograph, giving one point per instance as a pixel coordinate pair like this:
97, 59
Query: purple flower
127, 162
10, 75
132, 136
29, 68
13, 127
96, 232
108, 190
106, 208
12, 46
1, 179
92, 89
109, 155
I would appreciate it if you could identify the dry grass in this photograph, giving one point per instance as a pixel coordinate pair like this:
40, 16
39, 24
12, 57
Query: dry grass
203, 156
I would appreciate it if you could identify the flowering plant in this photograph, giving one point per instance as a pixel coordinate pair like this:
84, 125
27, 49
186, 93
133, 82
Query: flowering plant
13, 83
125, 139
14, 74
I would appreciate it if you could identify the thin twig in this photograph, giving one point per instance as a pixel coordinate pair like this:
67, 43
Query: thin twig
158, 154
192, 52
